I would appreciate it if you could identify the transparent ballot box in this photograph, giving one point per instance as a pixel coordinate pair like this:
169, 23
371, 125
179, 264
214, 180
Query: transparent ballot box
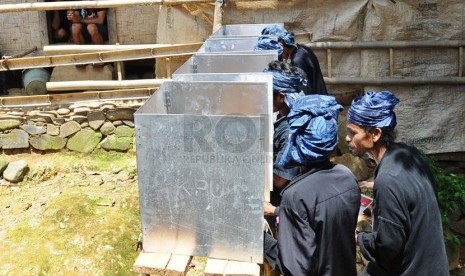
202, 164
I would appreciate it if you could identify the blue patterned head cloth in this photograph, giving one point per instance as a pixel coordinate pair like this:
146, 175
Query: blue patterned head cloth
273, 30
290, 84
374, 110
312, 131
267, 43
287, 38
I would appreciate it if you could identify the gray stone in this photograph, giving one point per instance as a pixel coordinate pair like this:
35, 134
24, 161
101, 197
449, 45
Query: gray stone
50, 112
78, 118
84, 124
3, 163
46, 118
84, 141
47, 142
120, 114
63, 111
114, 143
356, 164
33, 130
16, 171
69, 128
129, 123
107, 106
53, 130
82, 110
16, 139
59, 121
96, 119
107, 128
9, 124
17, 113
124, 131
118, 123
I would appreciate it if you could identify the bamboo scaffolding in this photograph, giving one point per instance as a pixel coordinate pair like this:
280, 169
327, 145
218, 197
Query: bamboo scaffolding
386, 44
50, 50
217, 16
98, 85
98, 57
396, 81
65, 5
141, 94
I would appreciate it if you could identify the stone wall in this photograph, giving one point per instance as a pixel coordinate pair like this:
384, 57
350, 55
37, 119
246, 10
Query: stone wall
80, 127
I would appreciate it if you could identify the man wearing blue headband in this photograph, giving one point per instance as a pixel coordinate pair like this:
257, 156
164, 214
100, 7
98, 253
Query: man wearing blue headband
407, 237
287, 87
305, 59
319, 207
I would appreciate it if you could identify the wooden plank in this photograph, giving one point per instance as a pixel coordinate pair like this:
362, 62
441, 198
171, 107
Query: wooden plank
50, 50
242, 269
97, 57
178, 265
95, 85
151, 263
215, 267
69, 5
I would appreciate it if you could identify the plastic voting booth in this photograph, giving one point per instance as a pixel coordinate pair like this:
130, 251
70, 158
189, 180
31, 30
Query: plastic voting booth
202, 159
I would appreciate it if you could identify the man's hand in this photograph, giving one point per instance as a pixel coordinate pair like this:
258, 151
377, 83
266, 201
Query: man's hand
268, 208
366, 185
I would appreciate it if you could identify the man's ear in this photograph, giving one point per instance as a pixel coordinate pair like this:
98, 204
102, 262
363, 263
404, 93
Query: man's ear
376, 134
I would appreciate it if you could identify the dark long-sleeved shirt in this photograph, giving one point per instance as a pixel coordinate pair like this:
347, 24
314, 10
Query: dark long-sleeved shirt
305, 59
318, 217
407, 236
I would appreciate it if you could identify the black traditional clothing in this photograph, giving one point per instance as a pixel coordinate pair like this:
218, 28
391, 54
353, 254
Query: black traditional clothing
318, 217
407, 237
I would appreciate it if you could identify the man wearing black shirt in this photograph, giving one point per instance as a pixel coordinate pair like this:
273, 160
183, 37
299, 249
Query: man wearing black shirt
407, 237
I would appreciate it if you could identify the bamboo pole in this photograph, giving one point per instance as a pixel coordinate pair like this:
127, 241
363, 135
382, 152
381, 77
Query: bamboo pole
329, 58
69, 98
69, 5
168, 67
391, 62
387, 44
217, 16
460, 61
397, 81
91, 48
99, 57
98, 85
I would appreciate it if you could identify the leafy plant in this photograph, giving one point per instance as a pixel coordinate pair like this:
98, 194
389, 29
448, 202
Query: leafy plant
451, 193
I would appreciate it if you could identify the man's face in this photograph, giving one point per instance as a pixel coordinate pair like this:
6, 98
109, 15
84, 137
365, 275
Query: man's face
278, 101
286, 51
359, 140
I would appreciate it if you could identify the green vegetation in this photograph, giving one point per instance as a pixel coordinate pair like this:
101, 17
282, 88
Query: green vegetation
451, 195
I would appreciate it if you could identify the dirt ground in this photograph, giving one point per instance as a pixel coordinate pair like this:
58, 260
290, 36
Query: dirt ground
72, 215
77, 214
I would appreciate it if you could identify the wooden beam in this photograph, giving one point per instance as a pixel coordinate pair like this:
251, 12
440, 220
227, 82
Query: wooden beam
386, 44
217, 16
92, 48
96, 85
65, 5
396, 80
99, 57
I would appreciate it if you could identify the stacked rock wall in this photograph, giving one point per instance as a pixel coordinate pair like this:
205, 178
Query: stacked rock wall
80, 127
